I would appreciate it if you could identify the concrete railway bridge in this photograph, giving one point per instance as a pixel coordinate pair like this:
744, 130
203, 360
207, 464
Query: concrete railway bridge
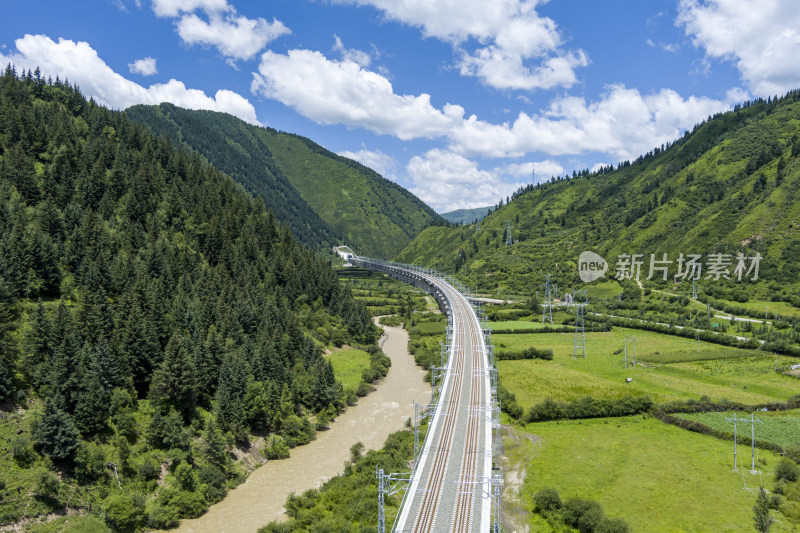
455, 485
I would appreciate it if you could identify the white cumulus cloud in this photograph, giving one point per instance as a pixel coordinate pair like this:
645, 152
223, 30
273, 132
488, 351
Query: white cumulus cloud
145, 66
173, 8
342, 92
447, 181
761, 39
351, 54
80, 63
505, 43
621, 123
233, 35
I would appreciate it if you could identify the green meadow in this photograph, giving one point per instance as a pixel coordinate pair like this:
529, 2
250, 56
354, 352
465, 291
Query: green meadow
655, 476
348, 365
781, 427
668, 368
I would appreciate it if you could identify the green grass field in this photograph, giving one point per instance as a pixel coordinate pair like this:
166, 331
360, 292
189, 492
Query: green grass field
781, 428
348, 365
518, 324
736, 374
655, 476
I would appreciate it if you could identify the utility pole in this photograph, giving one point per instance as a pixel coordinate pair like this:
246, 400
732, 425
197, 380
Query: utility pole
550, 290
752, 421
633, 350
580, 324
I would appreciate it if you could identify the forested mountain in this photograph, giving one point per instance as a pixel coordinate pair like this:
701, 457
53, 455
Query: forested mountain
366, 211
470, 215
247, 159
730, 185
149, 306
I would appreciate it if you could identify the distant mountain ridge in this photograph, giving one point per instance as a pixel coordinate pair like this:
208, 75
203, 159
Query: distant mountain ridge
731, 185
326, 198
470, 215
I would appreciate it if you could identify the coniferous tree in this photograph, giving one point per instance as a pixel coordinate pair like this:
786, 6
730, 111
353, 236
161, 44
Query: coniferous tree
55, 433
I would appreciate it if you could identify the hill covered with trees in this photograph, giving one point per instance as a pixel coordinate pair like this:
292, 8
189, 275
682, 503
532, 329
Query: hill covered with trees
359, 207
153, 315
729, 186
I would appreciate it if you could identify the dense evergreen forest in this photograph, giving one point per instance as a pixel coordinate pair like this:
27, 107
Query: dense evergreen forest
152, 316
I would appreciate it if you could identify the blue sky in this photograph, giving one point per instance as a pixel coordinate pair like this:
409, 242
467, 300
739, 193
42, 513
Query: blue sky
460, 101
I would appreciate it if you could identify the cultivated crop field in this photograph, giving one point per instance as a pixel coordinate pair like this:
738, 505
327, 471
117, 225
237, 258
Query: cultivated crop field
781, 427
715, 371
646, 472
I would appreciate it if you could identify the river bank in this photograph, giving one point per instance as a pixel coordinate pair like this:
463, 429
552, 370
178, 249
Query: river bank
260, 499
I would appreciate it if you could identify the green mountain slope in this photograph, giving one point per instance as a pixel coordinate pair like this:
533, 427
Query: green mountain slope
471, 215
372, 214
729, 186
237, 151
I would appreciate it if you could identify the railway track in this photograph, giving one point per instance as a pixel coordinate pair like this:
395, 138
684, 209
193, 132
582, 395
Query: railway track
450, 488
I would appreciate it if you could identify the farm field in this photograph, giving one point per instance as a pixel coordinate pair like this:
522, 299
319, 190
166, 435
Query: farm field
348, 365
518, 324
643, 471
715, 371
781, 427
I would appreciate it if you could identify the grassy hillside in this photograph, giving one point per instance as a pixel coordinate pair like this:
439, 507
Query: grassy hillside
328, 198
730, 185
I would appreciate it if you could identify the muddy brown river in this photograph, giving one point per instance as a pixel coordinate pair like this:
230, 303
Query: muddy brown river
260, 499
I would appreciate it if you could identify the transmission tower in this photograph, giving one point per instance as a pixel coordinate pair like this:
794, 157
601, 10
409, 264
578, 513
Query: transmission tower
550, 293
509, 241
580, 324
478, 227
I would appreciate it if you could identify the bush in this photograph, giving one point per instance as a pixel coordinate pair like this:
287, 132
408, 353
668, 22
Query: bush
149, 468
47, 485
123, 513
276, 448
612, 525
546, 499
161, 516
211, 475
575, 508
22, 450
90, 462
591, 519
787, 470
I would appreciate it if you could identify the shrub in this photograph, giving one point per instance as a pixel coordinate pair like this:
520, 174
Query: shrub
47, 485
22, 450
591, 519
612, 525
276, 448
123, 513
161, 516
787, 470
149, 468
90, 462
575, 508
546, 499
